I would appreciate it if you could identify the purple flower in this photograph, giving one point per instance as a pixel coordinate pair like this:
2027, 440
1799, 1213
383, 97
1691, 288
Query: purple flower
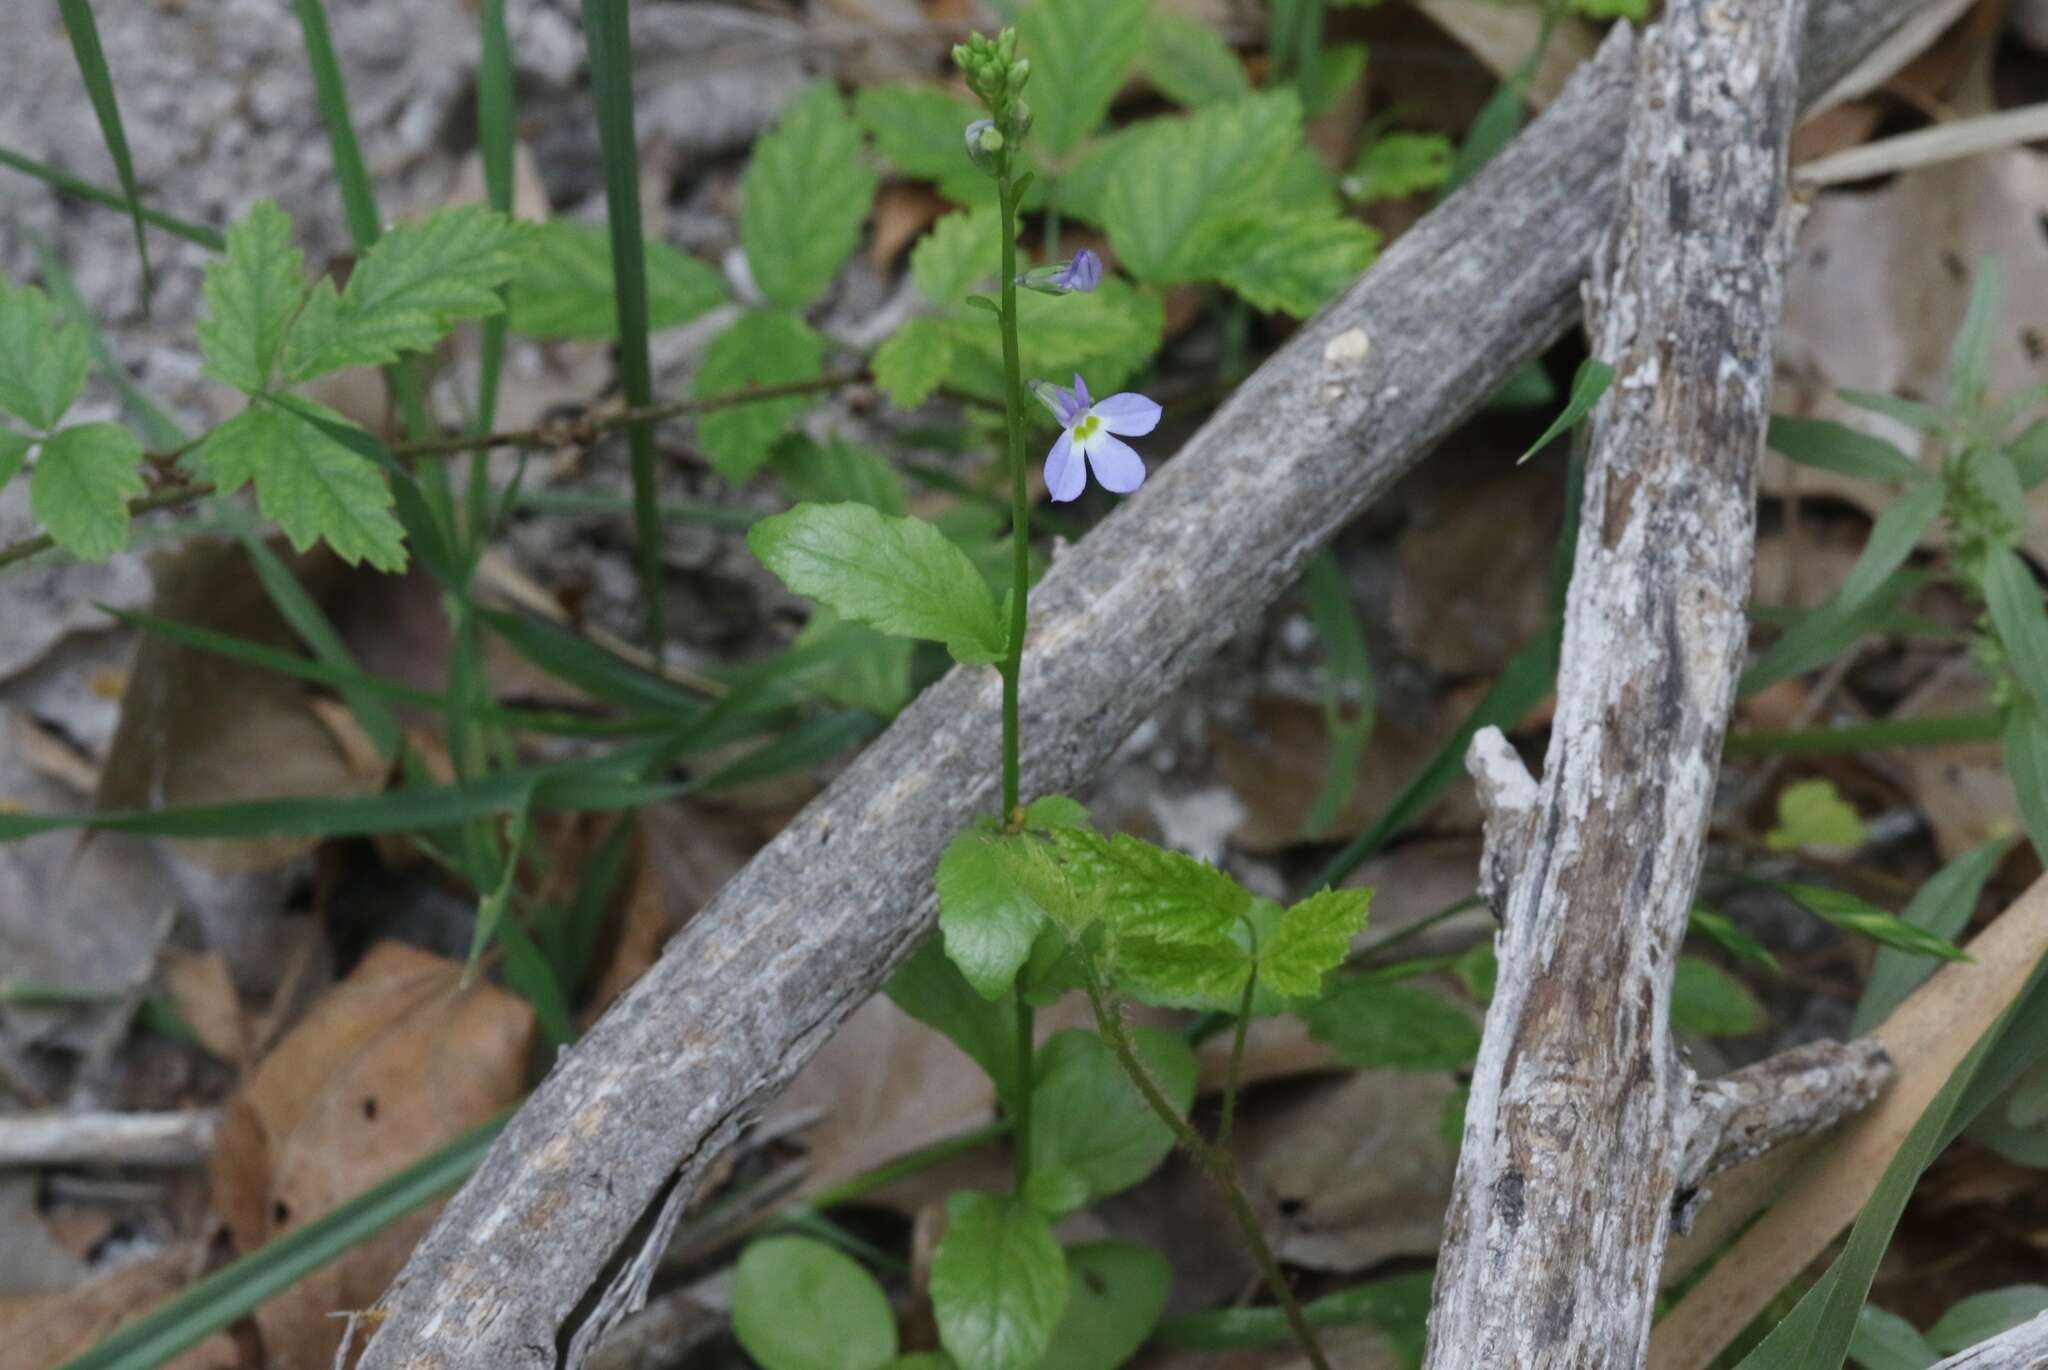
1089, 428
1082, 275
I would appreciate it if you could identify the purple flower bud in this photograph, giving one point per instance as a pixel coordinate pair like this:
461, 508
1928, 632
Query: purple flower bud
1082, 274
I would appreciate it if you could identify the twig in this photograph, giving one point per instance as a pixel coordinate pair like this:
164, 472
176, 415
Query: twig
1575, 1130
1928, 146
2018, 1348
63, 1138
819, 919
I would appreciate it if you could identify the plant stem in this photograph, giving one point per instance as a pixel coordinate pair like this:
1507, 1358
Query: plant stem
1244, 1022
1013, 663
1214, 1161
1933, 730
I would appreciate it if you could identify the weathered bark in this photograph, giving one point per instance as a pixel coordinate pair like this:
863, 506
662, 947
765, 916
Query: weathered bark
1575, 1133
1738, 1117
623, 1128
2018, 1348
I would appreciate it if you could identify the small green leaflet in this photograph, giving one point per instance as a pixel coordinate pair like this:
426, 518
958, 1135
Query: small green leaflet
1943, 907
1981, 1317
13, 452
1969, 358
998, 1283
963, 250
2024, 745
1115, 1294
1402, 1027
308, 482
406, 292
1830, 446
1396, 165
83, 481
563, 287
253, 292
763, 347
1589, 383
913, 362
1190, 61
1088, 1119
1080, 52
2014, 600
805, 195
1311, 939
1295, 263
1710, 1002
798, 1304
1851, 914
1886, 1341
987, 920
42, 366
898, 575
1912, 413
920, 129
1811, 813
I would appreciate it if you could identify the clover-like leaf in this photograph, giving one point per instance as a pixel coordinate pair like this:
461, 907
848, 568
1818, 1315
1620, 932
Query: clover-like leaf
763, 347
799, 1304
804, 198
84, 478
42, 366
998, 1283
253, 292
913, 362
312, 485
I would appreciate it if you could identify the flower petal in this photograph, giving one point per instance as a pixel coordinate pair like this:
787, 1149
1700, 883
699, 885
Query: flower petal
1081, 391
1066, 474
1118, 467
1130, 414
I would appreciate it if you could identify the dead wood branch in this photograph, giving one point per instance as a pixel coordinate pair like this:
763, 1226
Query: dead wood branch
1575, 1133
624, 1127
151, 1139
2017, 1348
1740, 1116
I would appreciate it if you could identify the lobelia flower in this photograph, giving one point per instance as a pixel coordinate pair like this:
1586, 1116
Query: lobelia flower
1080, 275
1089, 442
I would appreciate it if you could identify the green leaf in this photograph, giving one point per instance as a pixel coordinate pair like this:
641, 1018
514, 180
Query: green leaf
1969, 358
921, 130
1206, 975
1311, 939
1191, 63
930, 988
1817, 636
1811, 813
1115, 1294
1337, 68
1294, 263
1396, 165
310, 484
1941, 907
1173, 193
1054, 1192
998, 1283
13, 452
1402, 1027
1106, 336
963, 250
799, 1304
42, 366
1981, 1317
1088, 1118
252, 295
2014, 601
1829, 446
1886, 1341
837, 471
1731, 937
406, 292
987, 921
83, 481
806, 194
1912, 413
763, 347
1149, 891
898, 575
2024, 746
1397, 1305
1710, 1002
563, 287
1852, 914
854, 665
914, 362
2029, 454
1080, 51
1496, 124
1589, 383
99, 86
1478, 970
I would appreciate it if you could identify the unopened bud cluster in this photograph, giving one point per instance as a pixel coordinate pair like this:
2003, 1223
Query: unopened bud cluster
996, 75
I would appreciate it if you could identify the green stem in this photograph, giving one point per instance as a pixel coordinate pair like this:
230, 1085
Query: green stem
1244, 1022
1215, 1163
904, 1166
1020, 502
1020, 1102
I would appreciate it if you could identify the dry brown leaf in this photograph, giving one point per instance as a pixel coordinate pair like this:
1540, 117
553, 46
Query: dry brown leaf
203, 991
396, 1061
201, 728
902, 212
43, 1330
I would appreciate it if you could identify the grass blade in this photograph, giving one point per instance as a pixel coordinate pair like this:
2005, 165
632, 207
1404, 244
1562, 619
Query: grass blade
112, 199
606, 30
494, 135
99, 85
232, 1292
